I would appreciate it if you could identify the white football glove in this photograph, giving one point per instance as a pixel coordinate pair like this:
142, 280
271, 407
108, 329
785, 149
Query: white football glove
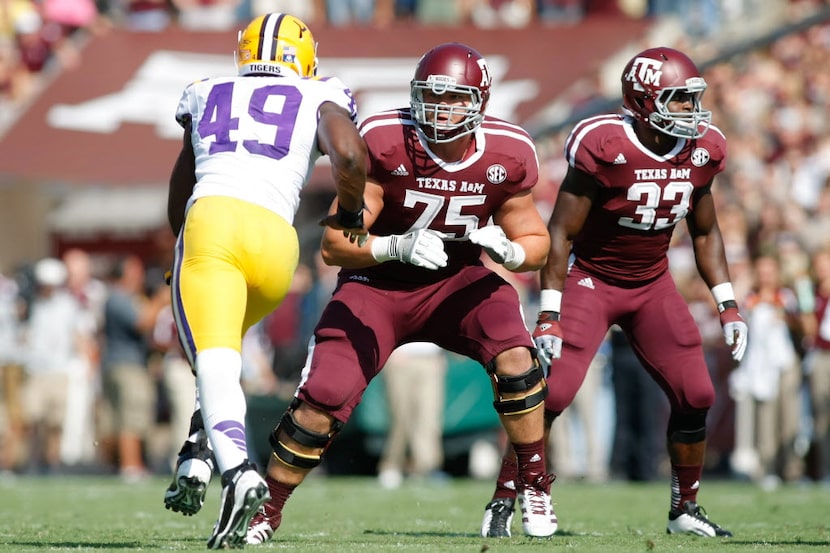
735, 330
422, 248
500, 249
548, 338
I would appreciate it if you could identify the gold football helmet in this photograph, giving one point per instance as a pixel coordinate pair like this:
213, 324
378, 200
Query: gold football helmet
274, 42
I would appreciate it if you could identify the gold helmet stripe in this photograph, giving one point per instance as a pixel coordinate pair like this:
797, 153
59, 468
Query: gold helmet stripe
267, 36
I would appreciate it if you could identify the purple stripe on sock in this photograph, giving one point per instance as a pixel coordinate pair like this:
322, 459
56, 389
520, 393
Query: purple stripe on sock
235, 433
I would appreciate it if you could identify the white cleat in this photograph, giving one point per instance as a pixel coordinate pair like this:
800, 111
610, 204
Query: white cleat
538, 518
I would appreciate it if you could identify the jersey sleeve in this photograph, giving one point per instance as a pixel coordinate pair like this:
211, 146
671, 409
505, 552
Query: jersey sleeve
715, 143
511, 158
187, 104
530, 161
183, 111
585, 147
341, 95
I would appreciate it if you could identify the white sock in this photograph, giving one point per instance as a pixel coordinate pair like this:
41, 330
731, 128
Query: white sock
223, 405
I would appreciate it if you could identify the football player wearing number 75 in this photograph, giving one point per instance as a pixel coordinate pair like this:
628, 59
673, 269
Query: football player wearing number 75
631, 178
439, 171
250, 141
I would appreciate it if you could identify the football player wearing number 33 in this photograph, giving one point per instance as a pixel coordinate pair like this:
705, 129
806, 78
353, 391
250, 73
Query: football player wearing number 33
631, 179
250, 142
439, 171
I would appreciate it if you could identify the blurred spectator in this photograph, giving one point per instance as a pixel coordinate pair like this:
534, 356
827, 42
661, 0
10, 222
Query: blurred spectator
16, 16
63, 21
815, 231
817, 364
11, 378
414, 382
766, 385
84, 381
207, 15
561, 11
700, 18
129, 317
34, 48
341, 13
489, 14
53, 349
405, 10
148, 15
310, 11
441, 12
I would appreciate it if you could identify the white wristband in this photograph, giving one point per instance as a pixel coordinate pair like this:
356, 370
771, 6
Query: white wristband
515, 261
380, 249
550, 300
723, 292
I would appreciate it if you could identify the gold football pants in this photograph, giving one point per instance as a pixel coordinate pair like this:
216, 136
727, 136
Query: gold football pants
234, 263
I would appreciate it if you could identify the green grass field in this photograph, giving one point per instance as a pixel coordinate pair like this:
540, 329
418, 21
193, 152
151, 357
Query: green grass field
341, 514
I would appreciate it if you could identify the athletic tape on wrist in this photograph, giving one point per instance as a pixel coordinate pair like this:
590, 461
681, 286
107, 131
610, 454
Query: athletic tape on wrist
723, 292
550, 300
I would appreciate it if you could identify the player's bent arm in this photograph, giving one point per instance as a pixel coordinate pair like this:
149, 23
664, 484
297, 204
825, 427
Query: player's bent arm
710, 257
338, 138
707, 241
574, 201
521, 222
182, 181
338, 250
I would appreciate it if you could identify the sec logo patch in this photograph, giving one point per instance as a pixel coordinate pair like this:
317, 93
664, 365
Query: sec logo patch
496, 173
700, 157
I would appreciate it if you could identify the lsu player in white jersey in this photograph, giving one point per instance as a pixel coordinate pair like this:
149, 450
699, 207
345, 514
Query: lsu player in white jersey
250, 142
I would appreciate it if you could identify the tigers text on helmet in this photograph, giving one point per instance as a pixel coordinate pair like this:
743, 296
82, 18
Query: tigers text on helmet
657, 76
450, 69
272, 43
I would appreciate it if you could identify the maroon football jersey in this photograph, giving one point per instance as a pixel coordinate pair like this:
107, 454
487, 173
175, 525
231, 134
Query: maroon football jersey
643, 195
422, 191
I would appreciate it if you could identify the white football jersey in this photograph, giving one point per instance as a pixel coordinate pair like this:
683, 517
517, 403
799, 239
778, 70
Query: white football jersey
255, 137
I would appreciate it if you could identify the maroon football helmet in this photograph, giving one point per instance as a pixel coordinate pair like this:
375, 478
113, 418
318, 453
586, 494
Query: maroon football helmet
450, 68
657, 76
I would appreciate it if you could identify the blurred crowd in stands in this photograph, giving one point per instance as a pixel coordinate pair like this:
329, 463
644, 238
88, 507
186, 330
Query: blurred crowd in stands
39, 35
771, 424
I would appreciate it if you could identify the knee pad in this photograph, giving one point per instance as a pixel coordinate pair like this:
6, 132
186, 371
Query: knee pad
687, 428
303, 436
521, 383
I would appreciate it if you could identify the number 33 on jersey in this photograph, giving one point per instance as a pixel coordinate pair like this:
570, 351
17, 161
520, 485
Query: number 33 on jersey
641, 196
